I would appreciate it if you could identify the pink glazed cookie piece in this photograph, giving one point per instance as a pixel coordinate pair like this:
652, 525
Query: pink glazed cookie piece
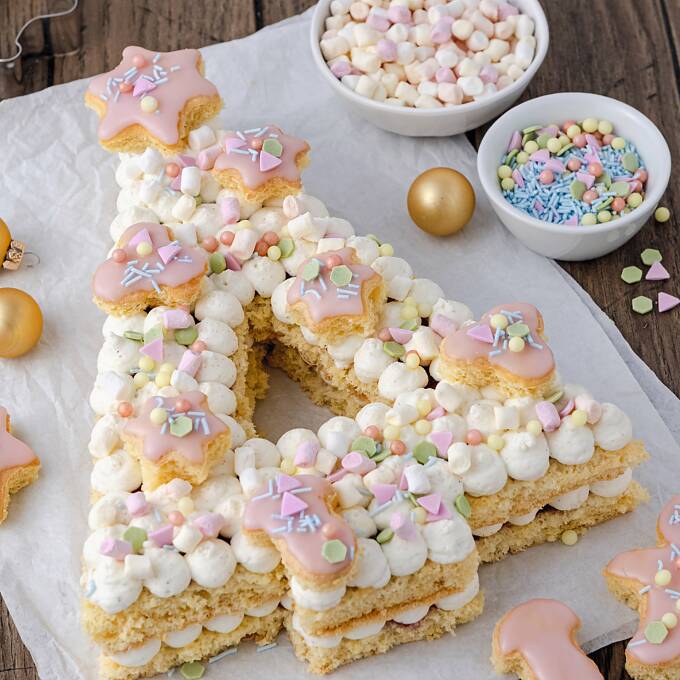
19, 466
334, 295
148, 269
648, 580
537, 641
185, 442
260, 163
152, 99
505, 348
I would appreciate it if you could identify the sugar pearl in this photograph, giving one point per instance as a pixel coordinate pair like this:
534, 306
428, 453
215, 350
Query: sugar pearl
148, 104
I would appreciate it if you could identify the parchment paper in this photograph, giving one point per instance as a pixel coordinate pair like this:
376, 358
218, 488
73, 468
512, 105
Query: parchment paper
58, 193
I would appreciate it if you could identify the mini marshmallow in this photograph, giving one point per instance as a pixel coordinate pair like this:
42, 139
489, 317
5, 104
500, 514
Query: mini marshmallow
191, 181
524, 52
334, 47
185, 233
482, 24
305, 226
478, 41
446, 57
418, 481
183, 382
326, 244
406, 53
507, 417
365, 35
462, 29
397, 33
151, 161
149, 190
471, 86
201, 137
184, 208
468, 67
450, 93
426, 87
364, 60
187, 539
138, 567
243, 244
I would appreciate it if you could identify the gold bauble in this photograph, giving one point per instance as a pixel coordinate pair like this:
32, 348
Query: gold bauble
441, 201
21, 322
5, 240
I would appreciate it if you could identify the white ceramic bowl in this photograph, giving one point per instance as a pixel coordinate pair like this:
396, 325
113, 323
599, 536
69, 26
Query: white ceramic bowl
432, 122
575, 242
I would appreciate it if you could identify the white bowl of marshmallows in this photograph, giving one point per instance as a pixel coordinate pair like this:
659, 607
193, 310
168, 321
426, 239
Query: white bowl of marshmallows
428, 67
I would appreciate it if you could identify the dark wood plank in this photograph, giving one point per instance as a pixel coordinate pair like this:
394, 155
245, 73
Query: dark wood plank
630, 54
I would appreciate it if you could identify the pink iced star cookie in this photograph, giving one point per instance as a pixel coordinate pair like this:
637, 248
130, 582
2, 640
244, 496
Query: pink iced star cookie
19, 466
152, 99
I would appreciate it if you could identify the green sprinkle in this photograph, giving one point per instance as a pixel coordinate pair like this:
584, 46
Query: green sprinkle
273, 146
134, 335
606, 203
186, 336
381, 456
564, 149
555, 397
341, 275
364, 444
510, 156
605, 179
181, 426
656, 632
530, 129
394, 349
411, 324
642, 304
577, 189
631, 274
334, 551
542, 140
621, 189
526, 138
310, 270
154, 333
650, 255
630, 162
287, 246
463, 506
517, 330
217, 263
385, 536
136, 537
423, 451
192, 670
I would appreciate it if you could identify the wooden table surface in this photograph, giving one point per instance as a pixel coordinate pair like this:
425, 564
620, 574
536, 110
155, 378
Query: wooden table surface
624, 49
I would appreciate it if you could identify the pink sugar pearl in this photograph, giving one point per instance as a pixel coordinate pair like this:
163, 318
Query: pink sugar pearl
210, 244
172, 169
546, 177
176, 518
139, 61
589, 196
182, 405
125, 87
118, 255
607, 139
567, 124
641, 175
125, 409
444, 75
256, 144
618, 204
384, 335
333, 261
198, 346
574, 164
580, 141
373, 432
328, 530
636, 186
397, 447
473, 437
595, 169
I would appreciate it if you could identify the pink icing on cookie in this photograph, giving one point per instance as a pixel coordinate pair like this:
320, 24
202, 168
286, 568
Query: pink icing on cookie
306, 531
642, 566
165, 266
173, 80
542, 632
13, 452
323, 298
246, 151
158, 439
534, 361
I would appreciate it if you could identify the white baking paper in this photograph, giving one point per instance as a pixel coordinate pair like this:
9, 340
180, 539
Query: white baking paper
58, 193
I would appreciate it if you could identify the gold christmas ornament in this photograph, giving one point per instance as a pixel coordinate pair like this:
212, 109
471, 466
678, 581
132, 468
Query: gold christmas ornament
441, 201
21, 323
11, 250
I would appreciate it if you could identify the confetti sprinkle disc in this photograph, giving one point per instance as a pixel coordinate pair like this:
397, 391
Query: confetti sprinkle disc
642, 304
341, 275
463, 506
334, 551
192, 670
311, 270
650, 255
655, 632
182, 426
424, 451
631, 274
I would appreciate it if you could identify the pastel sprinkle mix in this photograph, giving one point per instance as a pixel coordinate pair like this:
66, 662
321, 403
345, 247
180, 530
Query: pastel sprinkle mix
632, 274
650, 255
657, 272
642, 304
666, 301
341, 275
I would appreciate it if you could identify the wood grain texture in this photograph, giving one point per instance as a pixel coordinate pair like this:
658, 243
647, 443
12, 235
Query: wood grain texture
629, 51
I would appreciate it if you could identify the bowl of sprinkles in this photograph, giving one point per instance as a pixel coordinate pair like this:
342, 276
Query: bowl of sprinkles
574, 175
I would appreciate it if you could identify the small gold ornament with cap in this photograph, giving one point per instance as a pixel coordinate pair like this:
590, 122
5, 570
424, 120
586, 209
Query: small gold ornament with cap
12, 251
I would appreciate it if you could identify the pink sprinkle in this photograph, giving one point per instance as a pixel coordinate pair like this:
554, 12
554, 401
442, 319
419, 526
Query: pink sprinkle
402, 526
142, 236
517, 177
538, 205
515, 141
232, 262
136, 504
386, 50
209, 524
666, 302
162, 536
378, 23
548, 415
154, 349
232, 143
482, 332
444, 75
591, 140
431, 503
586, 178
186, 160
489, 74
337, 476
572, 221
230, 210
657, 272
383, 492
112, 547
442, 440
286, 483
305, 456
403, 481
399, 14
292, 504
435, 413
142, 86
168, 252
357, 463
176, 183
176, 318
207, 157
443, 325
567, 409
540, 156
340, 69
268, 161
190, 362
554, 164
444, 513
401, 335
